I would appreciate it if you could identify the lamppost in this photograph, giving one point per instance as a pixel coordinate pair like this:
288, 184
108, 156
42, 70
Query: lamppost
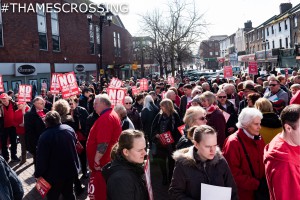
105, 17
266, 58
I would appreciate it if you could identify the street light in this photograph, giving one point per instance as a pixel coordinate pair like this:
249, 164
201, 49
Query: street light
105, 17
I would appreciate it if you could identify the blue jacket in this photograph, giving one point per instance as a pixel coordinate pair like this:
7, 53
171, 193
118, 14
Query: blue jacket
57, 159
10, 186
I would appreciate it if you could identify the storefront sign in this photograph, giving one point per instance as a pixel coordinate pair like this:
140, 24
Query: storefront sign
79, 68
25, 69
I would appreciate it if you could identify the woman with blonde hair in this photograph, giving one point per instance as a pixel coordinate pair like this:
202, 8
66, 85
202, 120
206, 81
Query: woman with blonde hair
194, 116
270, 123
166, 122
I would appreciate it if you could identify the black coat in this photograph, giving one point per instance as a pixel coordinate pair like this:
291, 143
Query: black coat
57, 159
190, 172
147, 117
124, 180
80, 115
34, 127
233, 119
134, 115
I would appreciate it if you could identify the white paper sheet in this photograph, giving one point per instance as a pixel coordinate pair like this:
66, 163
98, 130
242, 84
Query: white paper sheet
212, 192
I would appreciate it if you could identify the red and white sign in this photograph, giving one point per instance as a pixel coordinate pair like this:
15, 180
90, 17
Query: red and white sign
228, 71
68, 85
25, 93
148, 178
171, 81
1, 84
181, 128
253, 68
55, 87
42, 186
134, 90
166, 138
116, 95
143, 84
115, 82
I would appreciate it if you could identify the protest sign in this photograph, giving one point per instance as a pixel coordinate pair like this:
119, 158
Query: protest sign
115, 82
171, 81
25, 93
143, 84
68, 85
228, 71
55, 87
116, 95
1, 84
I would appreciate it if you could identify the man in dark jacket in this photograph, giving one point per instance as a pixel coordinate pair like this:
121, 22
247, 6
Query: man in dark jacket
84, 97
185, 98
34, 124
10, 186
57, 160
8, 107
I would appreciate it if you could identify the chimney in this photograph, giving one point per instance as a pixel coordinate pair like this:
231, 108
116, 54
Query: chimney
248, 24
285, 7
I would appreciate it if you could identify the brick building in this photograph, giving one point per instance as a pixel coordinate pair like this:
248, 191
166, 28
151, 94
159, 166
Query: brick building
35, 44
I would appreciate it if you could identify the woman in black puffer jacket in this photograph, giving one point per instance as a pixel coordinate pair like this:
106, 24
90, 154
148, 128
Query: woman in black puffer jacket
124, 175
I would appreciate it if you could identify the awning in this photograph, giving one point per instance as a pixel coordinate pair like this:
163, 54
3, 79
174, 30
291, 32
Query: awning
246, 58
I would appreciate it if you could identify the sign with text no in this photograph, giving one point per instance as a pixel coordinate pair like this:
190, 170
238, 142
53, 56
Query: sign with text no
25, 93
68, 84
143, 84
1, 84
171, 81
228, 71
135, 90
116, 95
115, 82
252, 66
55, 87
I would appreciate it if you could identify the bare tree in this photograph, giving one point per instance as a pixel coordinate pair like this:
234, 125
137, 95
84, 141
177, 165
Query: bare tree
174, 31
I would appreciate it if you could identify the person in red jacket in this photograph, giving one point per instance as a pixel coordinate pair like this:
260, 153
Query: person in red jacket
19, 124
103, 135
247, 137
282, 157
8, 108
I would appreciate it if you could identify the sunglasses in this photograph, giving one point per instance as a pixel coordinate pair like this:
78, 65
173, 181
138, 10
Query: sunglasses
273, 85
222, 97
202, 118
128, 103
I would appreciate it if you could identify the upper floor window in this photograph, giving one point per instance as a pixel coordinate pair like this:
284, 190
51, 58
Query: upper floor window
295, 21
280, 43
42, 28
268, 31
119, 45
286, 42
1, 27
272, 29
279, 27
92, 38
285, 25
98, 37
55, 31
273, 45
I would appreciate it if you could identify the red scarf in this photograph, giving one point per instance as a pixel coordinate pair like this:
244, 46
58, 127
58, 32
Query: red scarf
211, 109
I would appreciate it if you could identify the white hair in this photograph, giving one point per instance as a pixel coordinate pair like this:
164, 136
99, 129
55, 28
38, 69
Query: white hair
119, 108
250, 82
147, 102
169, 93
247, 115
128, 98
103, 98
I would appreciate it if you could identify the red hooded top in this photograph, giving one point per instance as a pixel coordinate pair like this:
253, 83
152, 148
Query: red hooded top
282, 164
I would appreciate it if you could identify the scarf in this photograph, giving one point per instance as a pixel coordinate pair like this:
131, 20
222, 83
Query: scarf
210, 109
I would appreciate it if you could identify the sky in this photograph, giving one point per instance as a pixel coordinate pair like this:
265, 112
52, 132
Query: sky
224, 16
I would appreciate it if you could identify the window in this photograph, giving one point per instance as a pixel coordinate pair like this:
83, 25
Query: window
92, 38
98, 37
210, 53
286, 42
272, 29
42, 28
280, 43
115, 45
55, 31
216, 53
267, 31
285, 24
279, 27
273, 45
295, 21
1, 28
119, 45
258, 34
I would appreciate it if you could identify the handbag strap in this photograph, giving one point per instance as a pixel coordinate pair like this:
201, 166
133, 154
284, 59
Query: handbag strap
247, 155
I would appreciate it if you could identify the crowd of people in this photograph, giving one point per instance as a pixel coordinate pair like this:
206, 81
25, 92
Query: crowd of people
243, 134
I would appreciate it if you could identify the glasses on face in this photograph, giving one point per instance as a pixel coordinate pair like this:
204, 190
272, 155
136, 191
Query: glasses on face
273, 85
202, 118
71, 104
128, 103
222, 97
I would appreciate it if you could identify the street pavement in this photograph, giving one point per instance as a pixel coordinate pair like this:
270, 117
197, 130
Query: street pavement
25, 173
